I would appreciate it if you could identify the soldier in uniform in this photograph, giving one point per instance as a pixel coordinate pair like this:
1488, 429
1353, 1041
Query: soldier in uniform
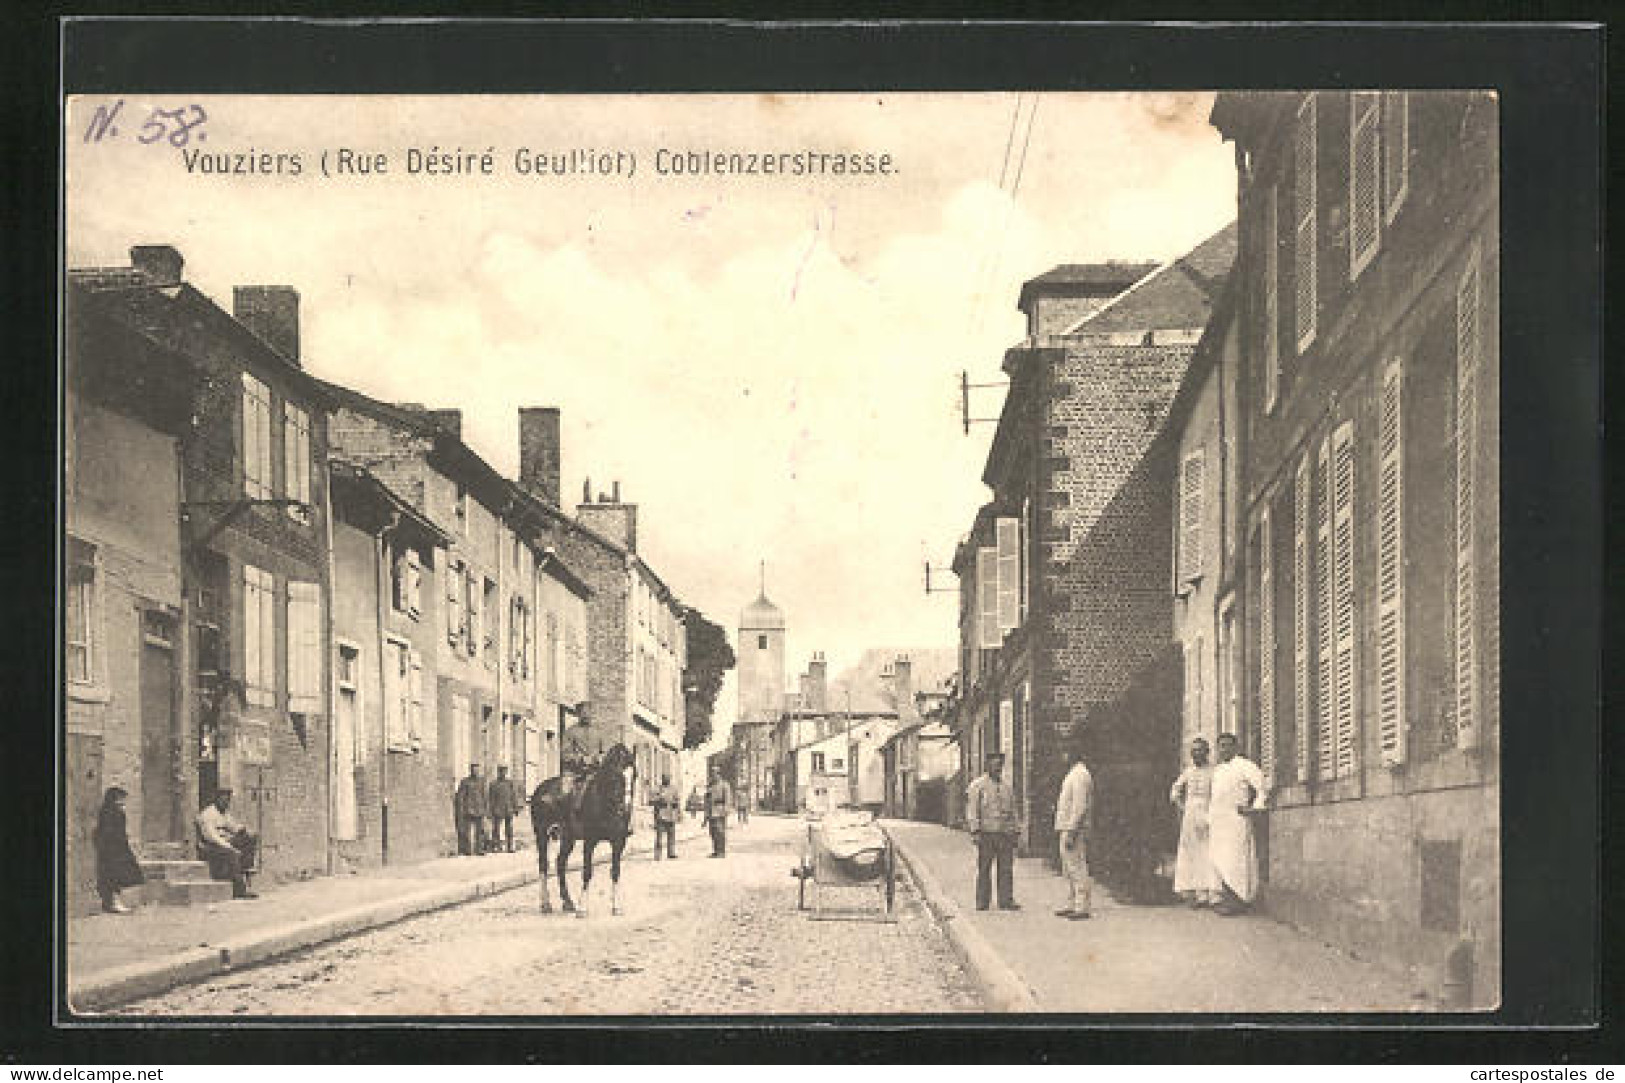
472, 804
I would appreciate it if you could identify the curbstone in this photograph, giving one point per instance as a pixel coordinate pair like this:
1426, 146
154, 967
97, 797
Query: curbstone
106, 990
1001, 987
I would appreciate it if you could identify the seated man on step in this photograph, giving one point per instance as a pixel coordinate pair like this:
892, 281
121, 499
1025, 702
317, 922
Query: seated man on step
226, 845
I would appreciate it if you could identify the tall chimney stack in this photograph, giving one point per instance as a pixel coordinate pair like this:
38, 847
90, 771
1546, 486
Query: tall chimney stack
818, 682
161, 263
272, 313
449, 419
903, 686
539, 452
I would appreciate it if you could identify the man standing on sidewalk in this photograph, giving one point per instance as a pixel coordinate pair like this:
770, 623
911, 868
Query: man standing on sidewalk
1074, 815
666, 808
505, 804
1238, 795
990, 816
472, 804
717, 801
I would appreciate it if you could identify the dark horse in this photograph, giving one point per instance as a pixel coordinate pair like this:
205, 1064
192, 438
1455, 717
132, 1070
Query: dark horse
599, 810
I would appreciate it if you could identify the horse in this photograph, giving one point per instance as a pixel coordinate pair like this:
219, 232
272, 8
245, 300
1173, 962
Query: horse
599, 811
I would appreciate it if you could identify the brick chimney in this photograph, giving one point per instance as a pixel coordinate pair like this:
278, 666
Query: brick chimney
903, 686
818, 683
161, 263
614, 520
449, 419
272, 313
539, 453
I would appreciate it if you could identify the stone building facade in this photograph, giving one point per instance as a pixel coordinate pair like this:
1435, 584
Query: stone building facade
1369, 269
1064, 604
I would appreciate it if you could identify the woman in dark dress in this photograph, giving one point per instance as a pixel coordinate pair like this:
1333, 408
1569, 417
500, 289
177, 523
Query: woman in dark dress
116, 866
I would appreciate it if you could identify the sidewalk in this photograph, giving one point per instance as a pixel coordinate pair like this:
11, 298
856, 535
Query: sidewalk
112, 958
1134, 958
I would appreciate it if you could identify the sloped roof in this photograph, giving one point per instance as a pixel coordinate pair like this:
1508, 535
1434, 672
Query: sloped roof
871, 692
1085, 280
1179, 293
761, 615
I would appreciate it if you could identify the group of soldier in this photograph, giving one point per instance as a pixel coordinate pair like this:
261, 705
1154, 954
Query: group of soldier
484, 812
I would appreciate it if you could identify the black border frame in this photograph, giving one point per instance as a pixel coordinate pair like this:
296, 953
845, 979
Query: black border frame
1550, 78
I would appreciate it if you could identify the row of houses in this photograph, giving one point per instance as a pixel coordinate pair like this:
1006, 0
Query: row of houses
328, 604
1255, 490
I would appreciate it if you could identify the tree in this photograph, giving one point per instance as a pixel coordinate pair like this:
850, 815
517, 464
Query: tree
709, 657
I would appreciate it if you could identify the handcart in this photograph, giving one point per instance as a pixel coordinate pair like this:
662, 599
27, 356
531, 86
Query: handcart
843, 850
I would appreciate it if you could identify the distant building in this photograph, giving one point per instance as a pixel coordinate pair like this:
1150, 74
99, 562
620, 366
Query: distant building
1064, 601
761, 696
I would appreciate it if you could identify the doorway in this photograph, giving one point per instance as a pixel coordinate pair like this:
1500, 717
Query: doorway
345, 720
159, 736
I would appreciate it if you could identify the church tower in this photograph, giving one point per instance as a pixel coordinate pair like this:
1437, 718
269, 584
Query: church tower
761, 659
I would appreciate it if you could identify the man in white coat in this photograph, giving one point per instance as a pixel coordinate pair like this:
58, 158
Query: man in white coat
1074, 814
1238, 795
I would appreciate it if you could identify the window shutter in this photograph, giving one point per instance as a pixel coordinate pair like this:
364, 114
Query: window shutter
1347, 742
415, 689
1326, 715
476, 616
290, 454
1266, 647
1007, 531
1271, 299
1190, 517
1396, 149
987, 590
414, 583
304, 647
1302, 606
1304, 268
1365, 168
1023, 540
1391, 570
251, 628
454, 601
1467, 348
395, 666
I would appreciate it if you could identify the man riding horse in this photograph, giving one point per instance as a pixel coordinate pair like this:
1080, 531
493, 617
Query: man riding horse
590, 801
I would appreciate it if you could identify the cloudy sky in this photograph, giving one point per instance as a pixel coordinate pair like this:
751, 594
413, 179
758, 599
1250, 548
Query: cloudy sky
768, 365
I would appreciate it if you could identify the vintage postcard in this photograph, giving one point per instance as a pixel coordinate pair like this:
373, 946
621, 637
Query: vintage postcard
685, 555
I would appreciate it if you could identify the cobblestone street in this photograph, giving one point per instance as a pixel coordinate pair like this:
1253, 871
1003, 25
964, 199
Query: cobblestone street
698, 937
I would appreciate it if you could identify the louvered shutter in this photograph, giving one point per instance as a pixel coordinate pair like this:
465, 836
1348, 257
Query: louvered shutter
1266, 646
1024, 541
1396, 149
987, 591
476, 615
253, 648
1391, 569
1326, 692
1302, 606
1365, 168
1466, 613
1007, 532
1343, 599
1190, 516
304, 647
395, 675
1304, 204
1271, 299
454, 601
415, 693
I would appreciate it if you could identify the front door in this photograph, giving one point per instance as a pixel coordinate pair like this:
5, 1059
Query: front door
344, 804
159, 739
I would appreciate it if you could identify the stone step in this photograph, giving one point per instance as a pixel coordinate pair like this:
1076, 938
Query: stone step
188, 892
169, 869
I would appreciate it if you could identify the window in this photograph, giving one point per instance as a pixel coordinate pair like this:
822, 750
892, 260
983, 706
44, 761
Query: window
304, 648
987, 590
1191, 493
1007, 534
1304, 202
817, 761
761, 643
1391, 569
474, 634
1466, 607
347, 667
1396, 150
296, 460
259, 636
81, 615
491, 606
553, 654
408, 583
460, 720
1270, 301
1365, 176
460, 510
837, 764
398, 694
256, 439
